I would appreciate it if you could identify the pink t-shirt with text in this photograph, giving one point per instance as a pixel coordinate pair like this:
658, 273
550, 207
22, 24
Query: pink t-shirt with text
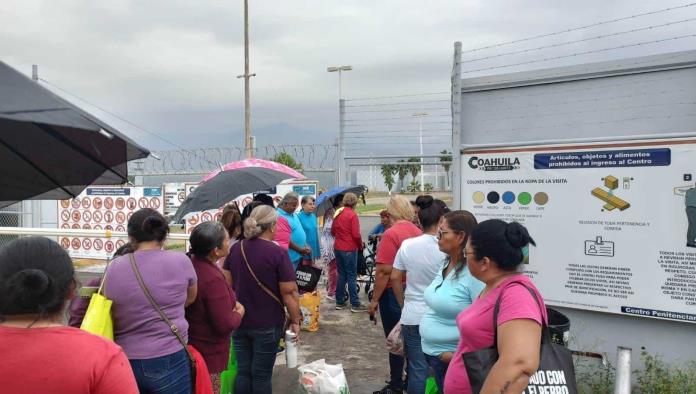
476, 325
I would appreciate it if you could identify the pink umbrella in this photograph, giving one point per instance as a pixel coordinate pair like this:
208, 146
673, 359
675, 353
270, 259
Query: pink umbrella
256, 163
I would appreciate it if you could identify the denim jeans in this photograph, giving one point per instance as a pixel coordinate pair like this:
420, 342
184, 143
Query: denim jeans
417, 365
256, 350
163, 375
439, 368
390, 313
347, 264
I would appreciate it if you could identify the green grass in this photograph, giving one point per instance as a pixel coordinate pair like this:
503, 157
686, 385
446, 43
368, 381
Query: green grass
361, 209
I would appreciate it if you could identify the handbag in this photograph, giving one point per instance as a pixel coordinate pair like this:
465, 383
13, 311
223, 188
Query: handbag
200, 380
556, 371
307, 276
98, 320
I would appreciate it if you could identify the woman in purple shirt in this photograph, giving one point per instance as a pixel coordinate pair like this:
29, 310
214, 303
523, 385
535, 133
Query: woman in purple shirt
159, 361
264, 281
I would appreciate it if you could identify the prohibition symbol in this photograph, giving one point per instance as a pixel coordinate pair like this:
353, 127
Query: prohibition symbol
65, 243
120, 243
154, 203
131, 203
109, 246
130, 214
108, 203
108, 216
108, 228
75, 203
65, 215
120, 203
98, 227
120, 217
87, 244
87, 216
218, 216
65, 226
97, 216
76, 226
86, 202
193, 220
120, 229
142, 202
206, 217
97, 203
65, 204
181, 197
76, 216
98, 244
86, 226
76, 244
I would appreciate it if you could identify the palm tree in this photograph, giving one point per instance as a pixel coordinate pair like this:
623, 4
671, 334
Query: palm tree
402, 171
388, 172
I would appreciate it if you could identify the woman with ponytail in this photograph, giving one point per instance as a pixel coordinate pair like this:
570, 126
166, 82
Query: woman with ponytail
452, 290
494, 254
264, 281
159, 361
216, 312
42, 355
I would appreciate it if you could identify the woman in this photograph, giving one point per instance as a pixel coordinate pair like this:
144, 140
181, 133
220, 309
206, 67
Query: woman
231, 219
327, 247
494, 255
215, 313
297, 246
418, 261
159, 361
346, 230
452, 291
308, 220
378, 231
42, 355
265, 285
402, 228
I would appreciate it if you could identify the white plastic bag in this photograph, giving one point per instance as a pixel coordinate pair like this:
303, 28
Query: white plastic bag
395, 341
318, 377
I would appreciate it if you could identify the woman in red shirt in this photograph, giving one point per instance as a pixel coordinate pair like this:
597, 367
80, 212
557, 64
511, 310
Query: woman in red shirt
216, 312
44, 356
346, 230
401, 214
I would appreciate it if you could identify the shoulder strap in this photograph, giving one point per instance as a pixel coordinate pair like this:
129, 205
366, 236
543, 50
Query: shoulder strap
261, 285
545, 334
172, 326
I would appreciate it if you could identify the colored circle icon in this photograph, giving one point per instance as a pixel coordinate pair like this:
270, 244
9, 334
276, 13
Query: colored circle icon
541, 198
479, 197
524, 198
493, 197
508, 197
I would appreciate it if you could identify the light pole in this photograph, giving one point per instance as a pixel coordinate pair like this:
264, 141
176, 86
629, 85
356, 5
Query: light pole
340, 157
247, 76
420, 116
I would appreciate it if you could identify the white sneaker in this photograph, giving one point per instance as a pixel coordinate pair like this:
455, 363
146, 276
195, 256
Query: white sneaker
331, 298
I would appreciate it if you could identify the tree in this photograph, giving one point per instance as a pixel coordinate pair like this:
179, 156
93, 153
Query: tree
402, 171
414, 169
414, 186
427, 188
287, 159
446, 159
388, 172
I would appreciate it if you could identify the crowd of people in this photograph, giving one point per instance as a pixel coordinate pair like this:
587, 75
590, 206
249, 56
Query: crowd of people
439, 275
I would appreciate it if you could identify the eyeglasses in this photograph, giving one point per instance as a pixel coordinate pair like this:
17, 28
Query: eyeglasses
440, 232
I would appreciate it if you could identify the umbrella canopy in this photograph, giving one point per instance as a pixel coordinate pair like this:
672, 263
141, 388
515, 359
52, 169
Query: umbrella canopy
235, 165
324, 201
228, 185
51, 149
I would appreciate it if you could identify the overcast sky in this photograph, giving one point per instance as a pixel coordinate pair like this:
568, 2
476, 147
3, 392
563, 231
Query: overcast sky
171, 65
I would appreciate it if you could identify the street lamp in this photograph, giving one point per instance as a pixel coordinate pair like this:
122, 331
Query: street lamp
340, 157
420, 116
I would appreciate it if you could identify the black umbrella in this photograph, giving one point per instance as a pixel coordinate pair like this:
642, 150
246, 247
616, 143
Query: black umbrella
51, 149
228, 185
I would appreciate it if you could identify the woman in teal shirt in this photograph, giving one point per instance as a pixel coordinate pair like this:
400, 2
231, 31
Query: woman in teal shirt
308, 219
452, 291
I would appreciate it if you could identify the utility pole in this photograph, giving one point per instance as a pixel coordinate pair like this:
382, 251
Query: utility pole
340, 157
247, 76
420, 117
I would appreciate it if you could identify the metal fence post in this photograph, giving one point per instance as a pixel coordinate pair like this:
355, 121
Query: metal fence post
341, 156
457, 125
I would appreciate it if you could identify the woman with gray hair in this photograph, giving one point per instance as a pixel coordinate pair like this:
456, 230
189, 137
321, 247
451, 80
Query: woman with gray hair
297, 247
265, 285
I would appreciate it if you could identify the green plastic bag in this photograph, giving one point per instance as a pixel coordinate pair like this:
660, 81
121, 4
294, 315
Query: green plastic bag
228, 377
431, 386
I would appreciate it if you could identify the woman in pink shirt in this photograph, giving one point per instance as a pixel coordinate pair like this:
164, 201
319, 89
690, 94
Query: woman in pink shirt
494, 255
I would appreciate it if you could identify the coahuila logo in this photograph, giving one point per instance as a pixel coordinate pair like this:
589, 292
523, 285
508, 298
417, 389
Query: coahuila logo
494, 163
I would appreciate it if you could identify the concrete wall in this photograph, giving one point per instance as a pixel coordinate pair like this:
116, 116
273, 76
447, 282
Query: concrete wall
643, 96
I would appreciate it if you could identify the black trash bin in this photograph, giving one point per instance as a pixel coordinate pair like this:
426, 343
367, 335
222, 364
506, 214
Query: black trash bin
559, 326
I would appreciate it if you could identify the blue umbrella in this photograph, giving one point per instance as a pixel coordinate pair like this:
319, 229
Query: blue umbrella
324, 201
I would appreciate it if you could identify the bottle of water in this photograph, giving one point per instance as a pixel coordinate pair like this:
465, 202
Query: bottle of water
290, 349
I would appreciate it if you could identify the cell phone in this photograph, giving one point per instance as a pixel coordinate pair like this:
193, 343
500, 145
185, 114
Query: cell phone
372, 319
